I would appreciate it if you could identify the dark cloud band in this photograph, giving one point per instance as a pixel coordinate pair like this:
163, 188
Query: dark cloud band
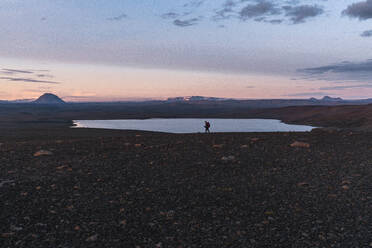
186, 23
269, 11
346, 87
367, 33
344, 71
361, 10
13, 71
28, 80
300, 14
117, 18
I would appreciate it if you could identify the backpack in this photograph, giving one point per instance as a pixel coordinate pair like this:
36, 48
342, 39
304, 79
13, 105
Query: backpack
207, 124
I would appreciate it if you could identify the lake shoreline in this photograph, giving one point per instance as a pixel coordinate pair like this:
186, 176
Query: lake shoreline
357, 118
194, 125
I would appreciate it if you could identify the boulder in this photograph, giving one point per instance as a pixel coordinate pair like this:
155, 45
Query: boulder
42, 153
300, 144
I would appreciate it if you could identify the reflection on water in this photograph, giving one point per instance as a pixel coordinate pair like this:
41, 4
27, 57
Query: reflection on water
194, 125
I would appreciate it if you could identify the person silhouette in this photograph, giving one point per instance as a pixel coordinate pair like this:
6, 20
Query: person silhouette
207, 125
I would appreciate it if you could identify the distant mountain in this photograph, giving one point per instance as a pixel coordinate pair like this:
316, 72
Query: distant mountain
204, 98
194, 101
195, 98
49, 98
266, 103
331, 99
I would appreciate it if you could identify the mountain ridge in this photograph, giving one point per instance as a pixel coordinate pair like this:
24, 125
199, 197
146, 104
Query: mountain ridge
49, 98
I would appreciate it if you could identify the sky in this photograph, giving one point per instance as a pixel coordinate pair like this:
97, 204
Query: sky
100, 50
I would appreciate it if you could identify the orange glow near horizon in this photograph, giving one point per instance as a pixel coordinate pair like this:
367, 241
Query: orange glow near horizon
114, 83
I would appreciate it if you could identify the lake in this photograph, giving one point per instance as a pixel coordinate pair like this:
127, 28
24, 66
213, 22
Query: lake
195, 125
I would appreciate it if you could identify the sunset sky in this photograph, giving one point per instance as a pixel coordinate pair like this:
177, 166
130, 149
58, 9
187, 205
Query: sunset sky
102, 50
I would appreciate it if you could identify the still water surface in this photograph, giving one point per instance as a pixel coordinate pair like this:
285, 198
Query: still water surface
194, 125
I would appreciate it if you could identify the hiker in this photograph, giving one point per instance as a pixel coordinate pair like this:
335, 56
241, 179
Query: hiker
207, 125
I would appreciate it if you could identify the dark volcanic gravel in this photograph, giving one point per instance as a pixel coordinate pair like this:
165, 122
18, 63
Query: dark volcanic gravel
134, 189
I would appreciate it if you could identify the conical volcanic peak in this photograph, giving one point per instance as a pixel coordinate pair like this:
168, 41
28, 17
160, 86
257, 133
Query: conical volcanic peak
49, 98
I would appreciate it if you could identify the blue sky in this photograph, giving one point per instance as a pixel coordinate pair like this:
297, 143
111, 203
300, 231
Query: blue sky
231, 48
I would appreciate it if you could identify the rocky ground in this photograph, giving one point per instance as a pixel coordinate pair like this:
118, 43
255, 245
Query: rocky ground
95, 188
